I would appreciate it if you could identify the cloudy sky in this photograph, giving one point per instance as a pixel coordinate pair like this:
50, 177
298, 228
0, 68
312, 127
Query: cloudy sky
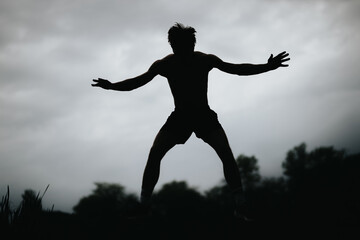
56, 129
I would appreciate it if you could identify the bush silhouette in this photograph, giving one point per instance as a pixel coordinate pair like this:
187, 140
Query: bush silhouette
319, 187
107, 199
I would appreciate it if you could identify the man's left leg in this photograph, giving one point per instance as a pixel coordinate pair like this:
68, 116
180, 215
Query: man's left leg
219, 142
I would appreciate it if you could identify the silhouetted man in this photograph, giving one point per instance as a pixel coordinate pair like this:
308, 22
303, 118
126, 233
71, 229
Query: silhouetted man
187, 73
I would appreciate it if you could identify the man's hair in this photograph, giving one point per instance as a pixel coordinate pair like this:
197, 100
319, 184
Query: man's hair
182, 38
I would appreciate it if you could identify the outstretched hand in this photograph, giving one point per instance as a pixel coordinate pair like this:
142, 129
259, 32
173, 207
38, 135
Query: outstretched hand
278, 61
103, 83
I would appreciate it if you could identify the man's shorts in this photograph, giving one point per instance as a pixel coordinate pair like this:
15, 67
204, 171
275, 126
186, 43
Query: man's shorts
181, 124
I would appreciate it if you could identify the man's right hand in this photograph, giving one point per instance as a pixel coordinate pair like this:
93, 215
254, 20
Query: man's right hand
103, 83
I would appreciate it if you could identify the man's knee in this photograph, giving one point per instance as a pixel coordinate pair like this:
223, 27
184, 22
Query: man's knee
158, 151
224, 151
221, 147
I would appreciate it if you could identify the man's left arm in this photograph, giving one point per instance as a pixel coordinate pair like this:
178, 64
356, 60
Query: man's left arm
251, 69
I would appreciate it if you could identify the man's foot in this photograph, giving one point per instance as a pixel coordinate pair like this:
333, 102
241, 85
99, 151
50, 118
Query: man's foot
139, 211
242, 216
242, 211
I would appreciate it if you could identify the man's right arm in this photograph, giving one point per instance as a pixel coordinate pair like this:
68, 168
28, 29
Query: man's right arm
131, 83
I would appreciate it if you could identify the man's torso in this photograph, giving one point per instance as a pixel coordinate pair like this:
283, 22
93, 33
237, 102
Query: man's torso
188, 79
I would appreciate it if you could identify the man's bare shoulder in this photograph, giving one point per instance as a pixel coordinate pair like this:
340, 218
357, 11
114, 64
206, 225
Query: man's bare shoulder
201, 54
207, 56
160, 66
170, 59
160, 62
166, 58
210, 59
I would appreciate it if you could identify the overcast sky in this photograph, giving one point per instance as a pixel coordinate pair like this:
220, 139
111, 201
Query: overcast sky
56, 129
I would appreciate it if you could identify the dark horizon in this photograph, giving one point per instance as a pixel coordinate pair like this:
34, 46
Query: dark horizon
314, 181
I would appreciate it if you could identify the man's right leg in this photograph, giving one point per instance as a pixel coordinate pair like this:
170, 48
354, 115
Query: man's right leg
163, 142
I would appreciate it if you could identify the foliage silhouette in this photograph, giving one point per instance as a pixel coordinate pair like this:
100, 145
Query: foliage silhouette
249, 170
107, 199
315, 182
6, 213
319, 188
29, 219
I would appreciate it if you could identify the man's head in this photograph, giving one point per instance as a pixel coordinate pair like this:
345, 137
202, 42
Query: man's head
182, 39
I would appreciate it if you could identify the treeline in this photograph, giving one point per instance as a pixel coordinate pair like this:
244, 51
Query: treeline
318, 187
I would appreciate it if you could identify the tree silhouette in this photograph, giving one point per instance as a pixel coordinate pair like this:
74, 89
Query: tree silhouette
307, 168
177, 199
107, 199
294, 164
300, 164
249, 170
31, 202
314, 182
319, 187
